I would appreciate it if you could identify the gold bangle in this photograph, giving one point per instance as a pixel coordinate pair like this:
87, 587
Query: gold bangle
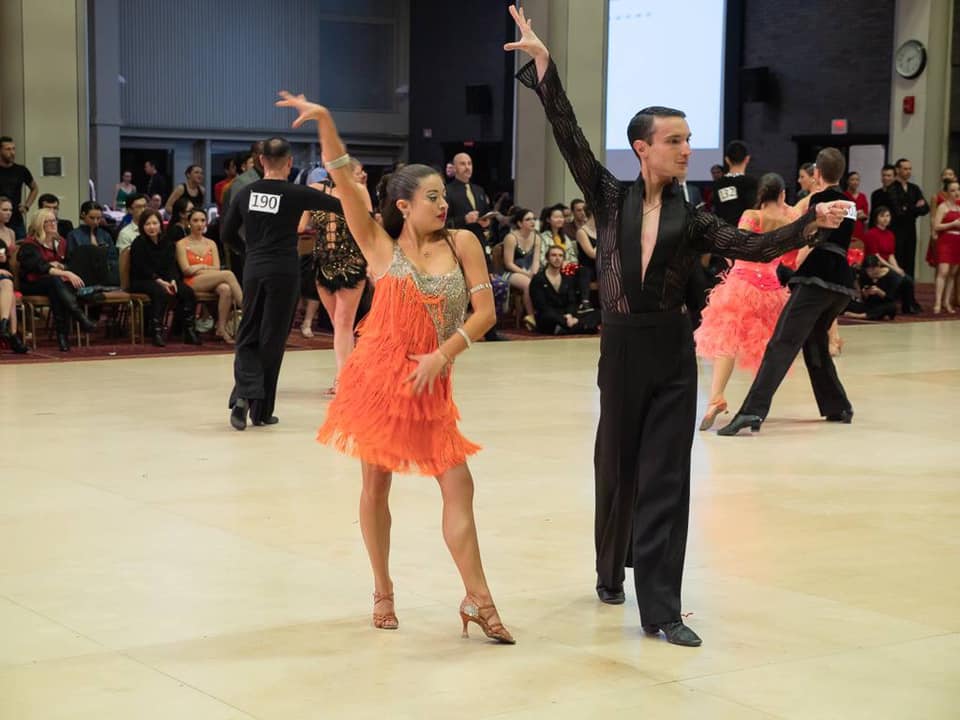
340, 162
465, 336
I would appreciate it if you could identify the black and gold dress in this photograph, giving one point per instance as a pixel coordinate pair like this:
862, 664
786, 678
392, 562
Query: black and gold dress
337, 261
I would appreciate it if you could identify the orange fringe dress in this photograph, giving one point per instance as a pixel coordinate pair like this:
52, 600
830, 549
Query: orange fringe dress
375, 416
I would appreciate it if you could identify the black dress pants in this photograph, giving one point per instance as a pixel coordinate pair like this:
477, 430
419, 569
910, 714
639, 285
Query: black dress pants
63, 298
804, 323
648, 396
160, 301
269, 303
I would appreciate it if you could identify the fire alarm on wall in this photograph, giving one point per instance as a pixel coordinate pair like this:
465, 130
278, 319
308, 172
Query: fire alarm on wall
909, 104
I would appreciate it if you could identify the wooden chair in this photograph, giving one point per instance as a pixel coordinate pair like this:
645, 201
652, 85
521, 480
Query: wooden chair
120, 299
20, 306
515, 297
30, 304
137, 300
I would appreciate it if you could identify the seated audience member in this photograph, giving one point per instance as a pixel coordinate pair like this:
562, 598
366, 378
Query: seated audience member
879, 289
136, 204
552, 221
879, 241
555, 299
586, 256
521, 258
155, 202
49, 201
199, 262
178, 227
91, 234
43, 271
154, 272
8, 299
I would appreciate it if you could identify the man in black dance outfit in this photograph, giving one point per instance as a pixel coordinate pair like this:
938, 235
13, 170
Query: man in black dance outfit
820, 289
269, 210
648, 242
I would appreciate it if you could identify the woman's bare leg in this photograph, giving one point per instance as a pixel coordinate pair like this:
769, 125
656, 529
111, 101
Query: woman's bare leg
375, 522
345, 312
940, 286
460, 534
522, 282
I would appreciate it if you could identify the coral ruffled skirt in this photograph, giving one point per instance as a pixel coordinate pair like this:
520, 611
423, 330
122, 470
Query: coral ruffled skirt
375, 416
739, 320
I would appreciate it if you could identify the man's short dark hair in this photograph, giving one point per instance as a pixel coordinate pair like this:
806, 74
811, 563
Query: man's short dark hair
5, 139
276, 148
736, 151
228, 162
900, 162
89, 205
47, 199
641, 125
831, 164
888, 166
577, 201
131, 199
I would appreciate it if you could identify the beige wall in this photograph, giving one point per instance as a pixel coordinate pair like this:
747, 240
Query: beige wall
922, 137
573, 30
42, 83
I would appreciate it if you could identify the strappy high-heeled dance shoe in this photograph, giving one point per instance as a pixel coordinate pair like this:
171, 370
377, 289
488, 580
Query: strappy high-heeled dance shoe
472, 611
384, 621
713, 409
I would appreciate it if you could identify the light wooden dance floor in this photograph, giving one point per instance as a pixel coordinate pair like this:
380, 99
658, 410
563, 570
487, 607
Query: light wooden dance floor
156, 564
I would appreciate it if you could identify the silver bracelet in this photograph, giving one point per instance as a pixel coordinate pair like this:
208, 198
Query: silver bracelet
465, 336
482, 286
340, 162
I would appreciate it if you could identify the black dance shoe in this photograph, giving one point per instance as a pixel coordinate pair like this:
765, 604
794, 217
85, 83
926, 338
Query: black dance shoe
845, 417
238, 415
272, 420
740, 422
63, 342
676, 633
611, 597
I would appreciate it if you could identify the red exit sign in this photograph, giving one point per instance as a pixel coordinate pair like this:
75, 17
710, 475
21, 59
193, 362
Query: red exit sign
838, 126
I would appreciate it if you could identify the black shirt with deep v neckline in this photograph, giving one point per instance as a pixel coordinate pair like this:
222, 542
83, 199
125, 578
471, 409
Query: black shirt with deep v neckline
684, 233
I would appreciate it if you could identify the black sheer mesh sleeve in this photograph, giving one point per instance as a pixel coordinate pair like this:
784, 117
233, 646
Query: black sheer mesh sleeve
596, 182
709, 234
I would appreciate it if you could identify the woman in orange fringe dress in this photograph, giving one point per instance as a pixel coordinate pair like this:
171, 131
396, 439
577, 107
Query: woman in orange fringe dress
394, 407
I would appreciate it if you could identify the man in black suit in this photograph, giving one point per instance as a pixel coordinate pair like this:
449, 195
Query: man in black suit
881, 196
467, 201
906, 205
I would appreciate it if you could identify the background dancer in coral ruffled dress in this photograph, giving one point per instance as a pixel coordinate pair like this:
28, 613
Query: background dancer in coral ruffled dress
742, 310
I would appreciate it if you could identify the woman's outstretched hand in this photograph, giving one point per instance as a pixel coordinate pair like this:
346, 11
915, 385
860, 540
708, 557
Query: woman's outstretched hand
307, 110
528, 42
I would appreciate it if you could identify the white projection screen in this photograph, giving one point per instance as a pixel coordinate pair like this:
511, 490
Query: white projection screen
668, 53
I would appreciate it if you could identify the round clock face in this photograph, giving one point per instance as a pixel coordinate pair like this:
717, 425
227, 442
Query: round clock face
911, 59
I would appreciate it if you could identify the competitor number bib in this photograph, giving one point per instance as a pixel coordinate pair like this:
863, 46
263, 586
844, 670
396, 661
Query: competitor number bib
264, 202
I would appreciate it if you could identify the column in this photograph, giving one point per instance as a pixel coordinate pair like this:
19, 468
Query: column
43, 82
922, 137
575, 34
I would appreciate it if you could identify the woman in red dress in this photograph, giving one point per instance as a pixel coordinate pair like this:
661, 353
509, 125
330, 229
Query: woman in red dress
394, 407
860, 200
946, 224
